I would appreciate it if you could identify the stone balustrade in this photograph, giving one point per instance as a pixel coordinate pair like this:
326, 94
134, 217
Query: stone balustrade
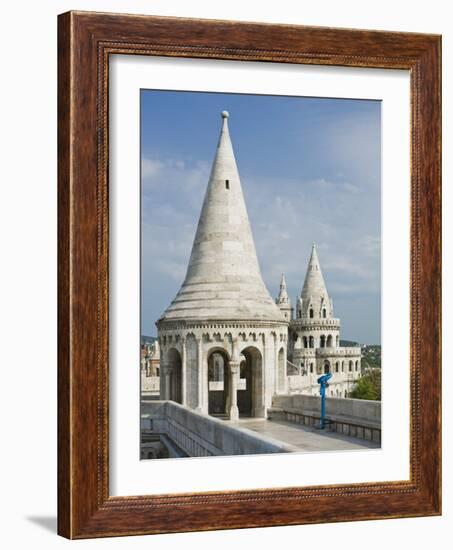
198, 434
352, 417
305, 322
338, 352
150, 384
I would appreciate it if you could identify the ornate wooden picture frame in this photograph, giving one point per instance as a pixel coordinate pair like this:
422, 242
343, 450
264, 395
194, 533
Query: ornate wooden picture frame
86, 40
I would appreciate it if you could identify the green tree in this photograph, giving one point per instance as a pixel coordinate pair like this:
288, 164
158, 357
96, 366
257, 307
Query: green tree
369, 386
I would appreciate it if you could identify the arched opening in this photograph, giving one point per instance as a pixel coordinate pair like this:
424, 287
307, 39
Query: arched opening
250, 395
311, 313
350, 366
217, 382
311, 342
305, 342
356, 366
175, 366
329, 341
324, 312
337, 366
322, 341
326, 366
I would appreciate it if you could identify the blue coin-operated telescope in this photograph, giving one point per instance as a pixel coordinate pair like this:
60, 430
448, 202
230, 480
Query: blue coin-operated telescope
323, 383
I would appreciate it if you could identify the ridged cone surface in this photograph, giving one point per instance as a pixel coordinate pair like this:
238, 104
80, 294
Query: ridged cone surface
223, 280
314, 290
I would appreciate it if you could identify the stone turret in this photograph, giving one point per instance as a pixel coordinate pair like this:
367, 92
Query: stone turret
314, 301
314, 344
223, 338
283, 301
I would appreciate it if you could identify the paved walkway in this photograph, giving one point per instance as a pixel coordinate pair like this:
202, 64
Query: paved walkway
305, 438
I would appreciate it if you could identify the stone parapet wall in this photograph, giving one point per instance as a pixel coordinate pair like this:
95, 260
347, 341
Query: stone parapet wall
307, 384
353, 417
339, 352
150, 384
358, 408
198, 434
334, 352
306, 323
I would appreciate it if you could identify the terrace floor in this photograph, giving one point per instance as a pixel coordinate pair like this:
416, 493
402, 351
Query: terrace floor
306, 438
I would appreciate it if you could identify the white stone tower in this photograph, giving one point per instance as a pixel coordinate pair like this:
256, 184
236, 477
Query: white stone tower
314, 343
315, 308
283, 301
223, 339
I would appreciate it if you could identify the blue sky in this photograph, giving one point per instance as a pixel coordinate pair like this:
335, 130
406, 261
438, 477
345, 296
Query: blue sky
310, 171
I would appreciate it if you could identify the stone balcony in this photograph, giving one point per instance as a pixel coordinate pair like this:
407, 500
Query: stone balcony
340, 352
309, 324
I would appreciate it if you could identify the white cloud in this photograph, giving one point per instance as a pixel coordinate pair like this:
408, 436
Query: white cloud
286, 216
151, 167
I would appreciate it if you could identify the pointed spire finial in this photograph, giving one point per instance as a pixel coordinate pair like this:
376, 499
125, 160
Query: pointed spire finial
313, 244
283, 297
225, 114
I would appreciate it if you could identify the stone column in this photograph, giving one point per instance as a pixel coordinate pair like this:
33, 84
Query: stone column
234, 373
284, 389
275, 370
183, 372
162, 378
234, 369
269, 365
200, 373
167, 375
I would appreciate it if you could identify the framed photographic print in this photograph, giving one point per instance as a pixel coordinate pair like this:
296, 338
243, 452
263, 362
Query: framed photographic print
249, 275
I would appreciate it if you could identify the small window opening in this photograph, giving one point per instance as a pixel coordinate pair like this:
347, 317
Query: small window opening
227, 184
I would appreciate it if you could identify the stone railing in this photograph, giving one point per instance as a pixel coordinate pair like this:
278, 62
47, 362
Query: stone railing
317, 322
338, 351
352, 417
310, 380
198, 434
150, 384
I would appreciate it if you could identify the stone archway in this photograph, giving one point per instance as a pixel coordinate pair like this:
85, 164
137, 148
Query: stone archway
250, 398
174, 366
218, 382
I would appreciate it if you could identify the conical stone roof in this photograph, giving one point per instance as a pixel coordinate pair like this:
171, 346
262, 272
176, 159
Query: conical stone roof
283, 298
223, 280
314, 291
